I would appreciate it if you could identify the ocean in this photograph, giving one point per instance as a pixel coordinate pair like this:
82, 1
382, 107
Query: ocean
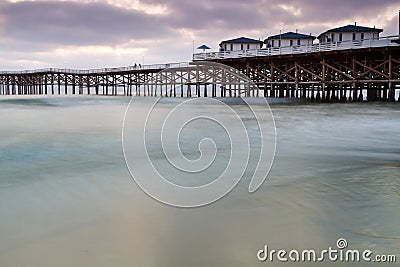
68, 198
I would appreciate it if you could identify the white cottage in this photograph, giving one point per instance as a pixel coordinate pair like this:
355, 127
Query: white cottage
241, 43
349, 33
289, 39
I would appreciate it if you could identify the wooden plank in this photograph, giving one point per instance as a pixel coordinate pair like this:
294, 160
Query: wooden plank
372, 69
309, 72
337, 70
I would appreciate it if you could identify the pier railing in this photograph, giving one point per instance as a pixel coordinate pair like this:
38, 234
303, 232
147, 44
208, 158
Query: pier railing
301, 49
98, 71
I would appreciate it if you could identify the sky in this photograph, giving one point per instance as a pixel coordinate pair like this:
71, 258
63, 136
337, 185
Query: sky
84, 34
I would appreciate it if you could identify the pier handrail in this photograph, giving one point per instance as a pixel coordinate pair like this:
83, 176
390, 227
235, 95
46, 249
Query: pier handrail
301, 49
98, 71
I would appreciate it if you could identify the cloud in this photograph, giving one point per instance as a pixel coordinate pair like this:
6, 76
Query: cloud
96, 33
73, 23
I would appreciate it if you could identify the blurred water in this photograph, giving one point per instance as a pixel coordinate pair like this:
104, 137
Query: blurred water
67, 198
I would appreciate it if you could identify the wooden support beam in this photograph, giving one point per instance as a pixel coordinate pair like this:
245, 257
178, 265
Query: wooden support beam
323, 79
337, 70
391, 89
308, 71
285, 73
370, 69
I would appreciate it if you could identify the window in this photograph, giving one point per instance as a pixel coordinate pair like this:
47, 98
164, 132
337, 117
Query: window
291, 42
362, 36
272, 43
340, 37
279, 43
231, 47
241, 46
225, 47
248, 46
354, 36
298, 41
327, 38
332, 37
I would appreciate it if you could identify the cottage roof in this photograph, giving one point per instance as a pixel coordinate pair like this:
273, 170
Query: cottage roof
290, 35
241, 40
352, 28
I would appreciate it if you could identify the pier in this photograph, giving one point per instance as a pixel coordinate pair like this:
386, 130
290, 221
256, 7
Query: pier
342, 71
200, 79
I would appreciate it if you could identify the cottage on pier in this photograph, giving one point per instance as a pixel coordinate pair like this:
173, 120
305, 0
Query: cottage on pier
349, 33
289, 39
241, 43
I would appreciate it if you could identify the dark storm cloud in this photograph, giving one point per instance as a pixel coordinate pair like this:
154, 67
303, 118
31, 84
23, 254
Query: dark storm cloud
263, 14
33, 30
217, 14
333, 10
72, 23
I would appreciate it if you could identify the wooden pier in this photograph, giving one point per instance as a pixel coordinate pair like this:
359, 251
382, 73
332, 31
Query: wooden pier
342, 71
356, 72
200, 79
346, 75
